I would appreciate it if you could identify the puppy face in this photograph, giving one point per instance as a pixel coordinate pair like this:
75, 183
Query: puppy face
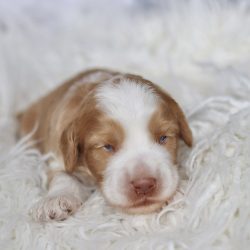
127, 138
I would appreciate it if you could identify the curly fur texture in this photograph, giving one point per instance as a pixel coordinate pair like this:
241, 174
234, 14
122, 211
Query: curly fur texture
198, 51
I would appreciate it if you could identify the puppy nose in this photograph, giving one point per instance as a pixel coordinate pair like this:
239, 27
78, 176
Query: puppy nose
144, 186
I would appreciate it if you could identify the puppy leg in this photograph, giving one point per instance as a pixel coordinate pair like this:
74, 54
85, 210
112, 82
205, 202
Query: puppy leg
64, 198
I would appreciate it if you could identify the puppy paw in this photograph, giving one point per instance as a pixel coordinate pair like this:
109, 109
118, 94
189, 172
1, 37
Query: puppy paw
56, 208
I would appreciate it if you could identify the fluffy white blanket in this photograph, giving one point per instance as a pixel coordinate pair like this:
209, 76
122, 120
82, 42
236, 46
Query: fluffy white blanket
199, 51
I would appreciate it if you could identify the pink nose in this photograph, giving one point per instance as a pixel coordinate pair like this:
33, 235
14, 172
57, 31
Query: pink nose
144, 186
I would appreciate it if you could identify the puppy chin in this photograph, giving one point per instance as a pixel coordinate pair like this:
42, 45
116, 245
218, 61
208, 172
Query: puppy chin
144, 209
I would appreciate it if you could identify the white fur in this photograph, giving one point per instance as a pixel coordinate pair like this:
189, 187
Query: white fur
65, 196
132, 106
194, 49
127, 101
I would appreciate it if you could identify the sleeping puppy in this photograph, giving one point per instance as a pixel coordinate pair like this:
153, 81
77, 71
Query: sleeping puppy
120, 130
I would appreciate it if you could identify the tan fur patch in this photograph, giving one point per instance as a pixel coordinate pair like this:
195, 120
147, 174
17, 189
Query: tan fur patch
164, 123
58, 117
105, 131
171, 107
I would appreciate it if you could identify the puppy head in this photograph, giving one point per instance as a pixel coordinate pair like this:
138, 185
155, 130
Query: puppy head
127, 135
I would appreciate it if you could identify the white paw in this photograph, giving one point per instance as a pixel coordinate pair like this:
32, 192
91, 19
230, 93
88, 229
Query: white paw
56, 208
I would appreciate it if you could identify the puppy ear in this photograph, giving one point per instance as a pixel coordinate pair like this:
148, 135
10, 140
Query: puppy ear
70, 147
185, 131
172, 105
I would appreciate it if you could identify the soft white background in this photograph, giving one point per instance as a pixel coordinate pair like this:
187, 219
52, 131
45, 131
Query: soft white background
197, 50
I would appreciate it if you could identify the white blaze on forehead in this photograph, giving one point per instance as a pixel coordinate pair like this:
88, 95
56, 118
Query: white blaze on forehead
128, 101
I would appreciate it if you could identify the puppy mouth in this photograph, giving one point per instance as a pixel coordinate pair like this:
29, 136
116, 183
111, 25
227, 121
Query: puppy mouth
144, 206
145, 201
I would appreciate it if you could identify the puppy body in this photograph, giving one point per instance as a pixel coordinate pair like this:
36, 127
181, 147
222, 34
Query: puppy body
120, 130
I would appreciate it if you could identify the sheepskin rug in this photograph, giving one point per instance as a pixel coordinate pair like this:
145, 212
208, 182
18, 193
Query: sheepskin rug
199, 51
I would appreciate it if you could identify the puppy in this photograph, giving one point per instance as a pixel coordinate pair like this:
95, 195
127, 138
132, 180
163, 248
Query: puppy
120, 130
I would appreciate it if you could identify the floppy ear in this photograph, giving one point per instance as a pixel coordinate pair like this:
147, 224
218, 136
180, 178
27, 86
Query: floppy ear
185, 131
70, 147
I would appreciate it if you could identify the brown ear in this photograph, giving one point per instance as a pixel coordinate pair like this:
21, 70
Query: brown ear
69, 146
185, 131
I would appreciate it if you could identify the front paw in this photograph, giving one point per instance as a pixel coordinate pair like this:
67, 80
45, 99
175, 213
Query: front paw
56, 208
